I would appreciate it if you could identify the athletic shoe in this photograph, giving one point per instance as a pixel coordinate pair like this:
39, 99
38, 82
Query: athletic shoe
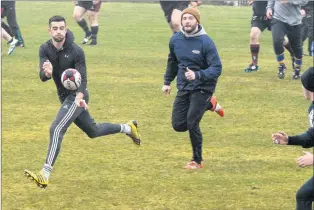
296, 74
281, 71
216, 107
12, 46
88, 36
93, 42
194, 165
38, 178
134, 135
251, 67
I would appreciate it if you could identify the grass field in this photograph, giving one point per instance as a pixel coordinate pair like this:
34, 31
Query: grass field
243, 169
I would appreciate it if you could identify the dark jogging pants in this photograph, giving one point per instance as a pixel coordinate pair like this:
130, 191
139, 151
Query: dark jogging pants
308, 31
279, 30
188, 110
68, 113
9, 12
305, 195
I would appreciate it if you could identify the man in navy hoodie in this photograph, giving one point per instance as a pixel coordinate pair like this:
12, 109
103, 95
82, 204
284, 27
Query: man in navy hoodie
194, 60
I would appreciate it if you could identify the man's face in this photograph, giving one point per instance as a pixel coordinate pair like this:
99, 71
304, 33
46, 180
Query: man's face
57, 31
309, 95
189, 23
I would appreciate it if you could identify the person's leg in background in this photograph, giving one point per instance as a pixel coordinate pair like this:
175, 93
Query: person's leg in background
278, 29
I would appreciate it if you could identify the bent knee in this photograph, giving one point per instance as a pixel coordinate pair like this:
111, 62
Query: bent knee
91, 135
77, 17
254, 37
303, 194
191, 125
179, 127
176, 27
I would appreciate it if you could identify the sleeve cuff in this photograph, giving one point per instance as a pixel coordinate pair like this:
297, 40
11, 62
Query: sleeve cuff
166, 83
198, 75
293, 141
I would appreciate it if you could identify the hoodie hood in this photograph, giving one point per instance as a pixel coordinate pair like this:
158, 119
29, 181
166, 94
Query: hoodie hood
69, 39
199, 32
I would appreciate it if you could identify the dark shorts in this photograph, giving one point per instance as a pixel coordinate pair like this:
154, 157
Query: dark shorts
169, 6
88, 5
261, 22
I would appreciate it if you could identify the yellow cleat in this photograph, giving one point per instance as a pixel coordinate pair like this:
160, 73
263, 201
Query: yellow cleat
38, 178
134, 135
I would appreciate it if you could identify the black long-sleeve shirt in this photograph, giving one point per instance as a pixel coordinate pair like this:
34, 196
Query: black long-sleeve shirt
69, 56
306, 139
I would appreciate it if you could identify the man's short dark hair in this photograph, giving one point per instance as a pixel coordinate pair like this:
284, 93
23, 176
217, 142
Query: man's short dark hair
56, 18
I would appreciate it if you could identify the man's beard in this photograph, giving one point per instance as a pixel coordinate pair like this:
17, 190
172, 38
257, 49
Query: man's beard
190, 30
59, 39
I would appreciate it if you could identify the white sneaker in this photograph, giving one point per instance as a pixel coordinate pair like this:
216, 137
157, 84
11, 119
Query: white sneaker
12, 46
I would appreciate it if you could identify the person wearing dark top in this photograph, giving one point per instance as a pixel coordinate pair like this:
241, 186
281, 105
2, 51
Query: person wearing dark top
55, 56
305, 195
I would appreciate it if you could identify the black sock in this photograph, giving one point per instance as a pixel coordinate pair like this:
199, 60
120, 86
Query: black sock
289, 48
18, 36
94, 30
84, 26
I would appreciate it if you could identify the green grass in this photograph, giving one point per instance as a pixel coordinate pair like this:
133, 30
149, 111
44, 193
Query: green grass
243, 169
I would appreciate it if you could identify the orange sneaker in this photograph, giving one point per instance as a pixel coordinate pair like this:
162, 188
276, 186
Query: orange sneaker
193, 165
216, 106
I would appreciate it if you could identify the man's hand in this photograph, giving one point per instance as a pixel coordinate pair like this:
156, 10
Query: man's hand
166, 89
305, 160
47, 67
195, 3
96, 2
269, 14
189, 74
303, 12
250, 2
80, 102
280, 138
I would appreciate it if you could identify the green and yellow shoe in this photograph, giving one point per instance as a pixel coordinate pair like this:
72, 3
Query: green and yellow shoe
38, 178
134, 135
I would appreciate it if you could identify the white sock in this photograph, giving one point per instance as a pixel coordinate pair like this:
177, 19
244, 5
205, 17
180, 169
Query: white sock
218, 107
47, 170
125, 128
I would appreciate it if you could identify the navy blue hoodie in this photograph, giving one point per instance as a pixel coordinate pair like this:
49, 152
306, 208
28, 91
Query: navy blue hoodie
198, 52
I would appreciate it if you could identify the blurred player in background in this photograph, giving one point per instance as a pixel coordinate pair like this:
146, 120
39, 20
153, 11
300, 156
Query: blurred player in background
11, 40
259, 23
287, 20
8, 11
173, 11
92, 9
308, 26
